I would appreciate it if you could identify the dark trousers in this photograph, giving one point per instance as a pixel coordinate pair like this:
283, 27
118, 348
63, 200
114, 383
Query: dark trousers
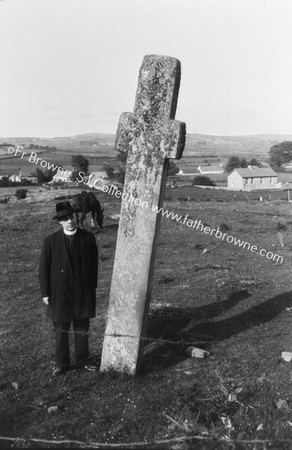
81, 327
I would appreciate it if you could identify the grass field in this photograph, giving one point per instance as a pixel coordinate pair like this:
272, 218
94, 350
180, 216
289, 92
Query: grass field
207, 292
28, 164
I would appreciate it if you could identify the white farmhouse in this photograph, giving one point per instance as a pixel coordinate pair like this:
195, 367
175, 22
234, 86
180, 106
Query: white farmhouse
204, 170
61, 177
252, 178
15, 178
96, 180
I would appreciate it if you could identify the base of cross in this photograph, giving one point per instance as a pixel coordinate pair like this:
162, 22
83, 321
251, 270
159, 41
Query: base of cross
122, 354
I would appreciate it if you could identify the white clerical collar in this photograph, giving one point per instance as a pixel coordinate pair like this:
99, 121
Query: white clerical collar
70, 233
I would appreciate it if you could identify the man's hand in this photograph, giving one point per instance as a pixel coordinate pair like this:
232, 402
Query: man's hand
46, 300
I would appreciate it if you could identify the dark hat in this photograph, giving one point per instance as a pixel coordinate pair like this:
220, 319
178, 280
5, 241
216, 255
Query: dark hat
63, 210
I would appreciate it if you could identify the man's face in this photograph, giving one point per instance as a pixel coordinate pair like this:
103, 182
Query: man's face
68, 223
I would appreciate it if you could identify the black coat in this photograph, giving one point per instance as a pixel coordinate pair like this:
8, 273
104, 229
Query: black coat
70, 284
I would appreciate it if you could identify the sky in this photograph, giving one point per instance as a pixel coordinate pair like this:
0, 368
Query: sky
71, 66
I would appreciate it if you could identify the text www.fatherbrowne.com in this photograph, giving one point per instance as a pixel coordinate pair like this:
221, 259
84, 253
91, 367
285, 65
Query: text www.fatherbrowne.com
195, 224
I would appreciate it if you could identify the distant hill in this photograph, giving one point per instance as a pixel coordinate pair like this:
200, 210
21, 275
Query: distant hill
100, 144
196, 144
232, 145
91, 138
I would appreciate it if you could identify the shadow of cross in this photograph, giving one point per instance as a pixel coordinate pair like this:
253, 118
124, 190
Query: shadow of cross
150, 136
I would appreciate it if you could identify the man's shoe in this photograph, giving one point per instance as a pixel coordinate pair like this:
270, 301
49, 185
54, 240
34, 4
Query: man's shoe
87, 367
58, 371
90, 368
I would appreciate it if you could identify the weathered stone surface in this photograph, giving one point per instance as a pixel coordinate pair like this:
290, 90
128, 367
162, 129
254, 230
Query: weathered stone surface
196, 352
150, 137
287, 356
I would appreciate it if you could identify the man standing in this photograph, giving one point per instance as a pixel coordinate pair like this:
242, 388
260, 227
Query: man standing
68, 281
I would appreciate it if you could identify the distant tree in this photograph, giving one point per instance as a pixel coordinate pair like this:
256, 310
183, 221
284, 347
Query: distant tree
122, 157
172, 169
25, 182
232, 163
243, 162
20, 193
110, 171
79, 164
280, 154
254, 162
40, 176
122, 163
44, 177
201, 180
121, 176
49, 173
4, 182
235, 162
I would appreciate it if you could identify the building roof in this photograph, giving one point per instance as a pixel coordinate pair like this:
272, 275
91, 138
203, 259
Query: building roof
61, 177
258, 172
287, 186
210, 168
62, 173
97, 180
97, 175
189, 170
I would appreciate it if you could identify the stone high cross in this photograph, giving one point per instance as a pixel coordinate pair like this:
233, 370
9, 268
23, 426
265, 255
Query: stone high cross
150, 136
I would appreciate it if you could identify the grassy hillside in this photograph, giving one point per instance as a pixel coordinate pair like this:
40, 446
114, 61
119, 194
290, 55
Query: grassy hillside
207, 292
257, 145
99, 149
196, 144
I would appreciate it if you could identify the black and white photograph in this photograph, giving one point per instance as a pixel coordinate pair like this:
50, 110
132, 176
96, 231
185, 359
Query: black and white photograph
146, 224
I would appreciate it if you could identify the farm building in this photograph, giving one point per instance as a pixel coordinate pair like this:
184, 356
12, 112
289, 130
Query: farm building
15, 178
61, 177
288, 187
31, 178
95, 175
96, 179
188, 171
204, 170
252, 178
287, 166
